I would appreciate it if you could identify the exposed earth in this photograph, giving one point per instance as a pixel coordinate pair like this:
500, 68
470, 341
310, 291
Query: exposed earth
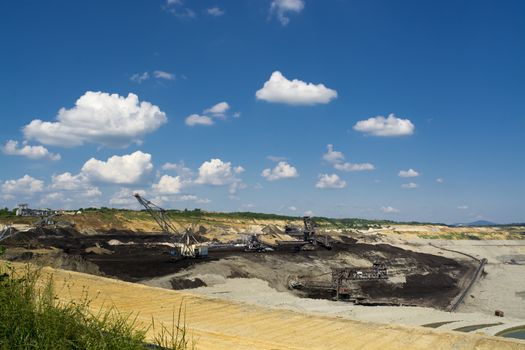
425, 275
419, 279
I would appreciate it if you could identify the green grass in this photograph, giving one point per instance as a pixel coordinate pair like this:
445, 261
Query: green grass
32, 318
451, 236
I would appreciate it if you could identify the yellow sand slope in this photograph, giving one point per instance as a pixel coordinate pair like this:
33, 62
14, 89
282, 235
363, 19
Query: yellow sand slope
221, 324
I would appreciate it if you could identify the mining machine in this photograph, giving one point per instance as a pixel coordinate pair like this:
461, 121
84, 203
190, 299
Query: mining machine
186, 244
309, 238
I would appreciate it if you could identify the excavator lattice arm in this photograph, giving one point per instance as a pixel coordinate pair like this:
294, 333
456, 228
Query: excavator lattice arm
159, 214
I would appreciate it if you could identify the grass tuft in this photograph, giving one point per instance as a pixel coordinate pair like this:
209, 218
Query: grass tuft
31, 317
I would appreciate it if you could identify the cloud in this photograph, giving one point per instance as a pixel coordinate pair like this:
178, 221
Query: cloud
381, 126
215, 11
196, 119
24, 185
462, 207
91, 192
238, 169
408, 173
336, 158
127, 169
139, 77
100, 118
237, 114
275, 158
308, 213
235, 186
332, 156
410, 185
282, 170
180, 168
32, 152
68, 181
215, 172
354, 167
78, 184
218, 110
168, 185
389, 210
330, 181
158, 74
278, 89
292, 208
124, 198
54, 197
282, 7
163, 75
193, 198
177, 8
440, 180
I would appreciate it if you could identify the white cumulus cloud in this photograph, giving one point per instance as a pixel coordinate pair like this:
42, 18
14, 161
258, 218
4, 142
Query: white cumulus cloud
68, 181
295, 92
330, 181
168, 185
24, 185
218, 173
101, 118
282, 170
389, 210
77, 185
281, 8
332, 156
408, 173
440, 180
336, 158
196, 119
462, 207
126, 169
381, 126
32, 152
218, 110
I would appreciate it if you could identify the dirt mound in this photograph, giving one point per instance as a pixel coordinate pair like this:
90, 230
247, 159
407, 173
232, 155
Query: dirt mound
181, 283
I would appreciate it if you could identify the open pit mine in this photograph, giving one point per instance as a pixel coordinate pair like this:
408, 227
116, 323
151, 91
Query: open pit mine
296, 265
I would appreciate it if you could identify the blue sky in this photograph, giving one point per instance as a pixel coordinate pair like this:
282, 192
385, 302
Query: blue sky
234, 104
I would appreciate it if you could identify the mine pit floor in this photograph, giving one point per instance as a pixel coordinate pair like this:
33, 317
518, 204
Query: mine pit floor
417, 278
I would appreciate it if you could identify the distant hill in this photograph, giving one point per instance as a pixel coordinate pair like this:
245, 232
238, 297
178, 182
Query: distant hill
479, 223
